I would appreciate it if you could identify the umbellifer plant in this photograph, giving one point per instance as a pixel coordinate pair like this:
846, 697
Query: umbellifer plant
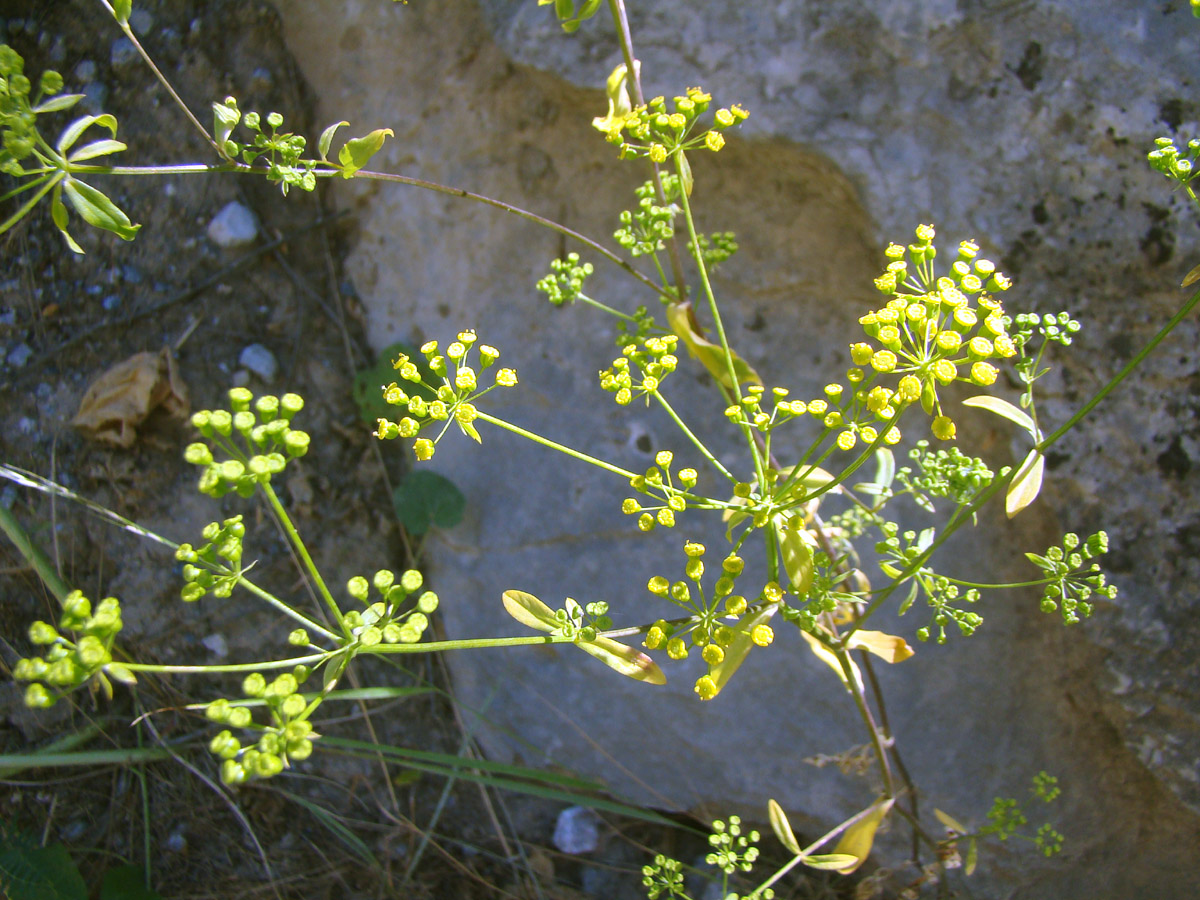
941, 319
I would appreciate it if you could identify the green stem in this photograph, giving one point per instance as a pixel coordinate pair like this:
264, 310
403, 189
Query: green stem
1124, 373
714, 311
294, 537
561, 448
617, 9
471, 644
704, 451
287, 610
231, 667
28, 205
603, 307
163, 81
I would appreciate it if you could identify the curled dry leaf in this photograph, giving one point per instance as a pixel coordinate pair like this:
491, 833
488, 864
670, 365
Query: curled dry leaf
119, 400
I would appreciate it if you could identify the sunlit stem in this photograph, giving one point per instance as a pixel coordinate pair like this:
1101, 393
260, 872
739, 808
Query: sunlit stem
286, 609
265, 665
704, 451
294, 537
604, 307
554, 445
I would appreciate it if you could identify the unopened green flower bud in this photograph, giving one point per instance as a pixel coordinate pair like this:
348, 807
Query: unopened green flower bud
41, 633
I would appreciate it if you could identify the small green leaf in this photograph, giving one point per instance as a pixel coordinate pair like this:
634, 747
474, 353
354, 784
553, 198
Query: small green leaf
357, 152
529, 610
126, 883
73, 131
629, 661
57, 104
97, 210
96, 148
796, 546
836, 862
121, 673
685, 173
972, 857
425, 498
1025, 487
45, 873
333, 671
1191, 277
782, 827
58, 213
469, 430
1005, 410
121, 10
327, 138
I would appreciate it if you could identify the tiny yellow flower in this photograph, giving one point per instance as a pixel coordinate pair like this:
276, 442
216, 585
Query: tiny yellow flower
943, 428
706, 687
762, 635
714, 140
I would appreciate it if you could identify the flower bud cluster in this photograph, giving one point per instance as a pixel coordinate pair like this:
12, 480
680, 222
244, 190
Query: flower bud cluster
18, 115
289, 736
1179, 166
264, 442
68, 663
1058, 328
658, 480
943, 473
714, 248
215, 565
732, 850
1073, 580
640, 371
453, 399
582, 623
646, 229
281, 151
389, 620
704, 629
933, 331
564, 284
656, 130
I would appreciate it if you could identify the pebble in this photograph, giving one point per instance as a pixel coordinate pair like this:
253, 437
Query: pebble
123, 53
19, 355
141, 21
85, 70
259, 360
111, 302
234, 226
577, 830
217, 645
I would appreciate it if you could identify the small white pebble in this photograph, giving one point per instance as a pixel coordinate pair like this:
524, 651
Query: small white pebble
234, 226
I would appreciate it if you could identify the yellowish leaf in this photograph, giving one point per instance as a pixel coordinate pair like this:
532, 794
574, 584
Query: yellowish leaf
630, 662
739, 649
837, 862
682, 320
950, 822
826, 656
782, 827
1191, 277
1025, 487
529, 610
857, 839
887, 647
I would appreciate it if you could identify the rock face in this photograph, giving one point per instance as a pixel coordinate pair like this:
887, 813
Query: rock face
1023, 125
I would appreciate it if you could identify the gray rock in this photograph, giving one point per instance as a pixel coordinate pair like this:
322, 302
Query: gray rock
233, 227
1022, 125
141, 21
577, 830
123, 53
19, 355
259, 360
